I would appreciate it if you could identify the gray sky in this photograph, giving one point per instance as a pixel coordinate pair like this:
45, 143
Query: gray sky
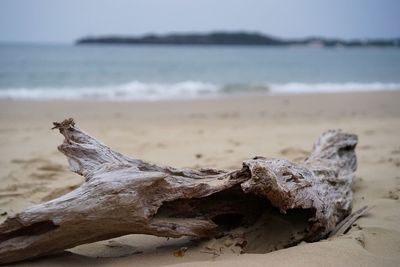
65, 21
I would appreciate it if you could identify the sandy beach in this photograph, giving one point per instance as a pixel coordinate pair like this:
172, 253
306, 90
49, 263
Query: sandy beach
218, 133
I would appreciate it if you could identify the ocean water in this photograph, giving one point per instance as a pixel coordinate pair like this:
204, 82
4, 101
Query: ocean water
167, 72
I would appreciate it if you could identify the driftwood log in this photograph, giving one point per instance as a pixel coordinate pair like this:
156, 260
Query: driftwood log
124, 196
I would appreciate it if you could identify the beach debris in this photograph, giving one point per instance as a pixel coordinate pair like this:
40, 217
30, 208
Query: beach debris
346, 223
122, 195
180, 252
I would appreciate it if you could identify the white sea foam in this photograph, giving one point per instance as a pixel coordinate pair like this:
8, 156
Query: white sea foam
130, 91
138, 91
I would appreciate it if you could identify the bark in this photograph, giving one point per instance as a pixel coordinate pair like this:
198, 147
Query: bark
124, 196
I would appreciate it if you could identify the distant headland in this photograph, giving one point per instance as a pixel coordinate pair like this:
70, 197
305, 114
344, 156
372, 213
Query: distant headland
234, 38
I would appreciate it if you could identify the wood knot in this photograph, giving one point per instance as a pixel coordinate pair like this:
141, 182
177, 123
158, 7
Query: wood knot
66, 124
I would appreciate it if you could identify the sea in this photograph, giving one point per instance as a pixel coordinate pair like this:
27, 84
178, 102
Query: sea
163, 72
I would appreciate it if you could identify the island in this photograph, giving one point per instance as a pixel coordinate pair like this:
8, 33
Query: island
233, 38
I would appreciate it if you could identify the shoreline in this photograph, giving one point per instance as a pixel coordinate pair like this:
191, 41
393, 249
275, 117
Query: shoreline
136, 91
377, 103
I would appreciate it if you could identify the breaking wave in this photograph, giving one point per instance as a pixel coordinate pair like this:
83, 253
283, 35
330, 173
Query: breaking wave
139, 91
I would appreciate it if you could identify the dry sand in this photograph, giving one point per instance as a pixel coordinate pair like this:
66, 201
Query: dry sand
212, 133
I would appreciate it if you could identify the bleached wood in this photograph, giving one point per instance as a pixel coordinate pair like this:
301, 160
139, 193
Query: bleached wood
124, 196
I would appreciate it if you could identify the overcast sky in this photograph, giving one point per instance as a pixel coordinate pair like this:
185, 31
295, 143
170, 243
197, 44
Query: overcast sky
65, 21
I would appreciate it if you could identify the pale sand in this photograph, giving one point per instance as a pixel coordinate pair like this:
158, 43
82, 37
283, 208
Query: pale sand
221, 133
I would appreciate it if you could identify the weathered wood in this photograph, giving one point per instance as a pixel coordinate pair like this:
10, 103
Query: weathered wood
123, 196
